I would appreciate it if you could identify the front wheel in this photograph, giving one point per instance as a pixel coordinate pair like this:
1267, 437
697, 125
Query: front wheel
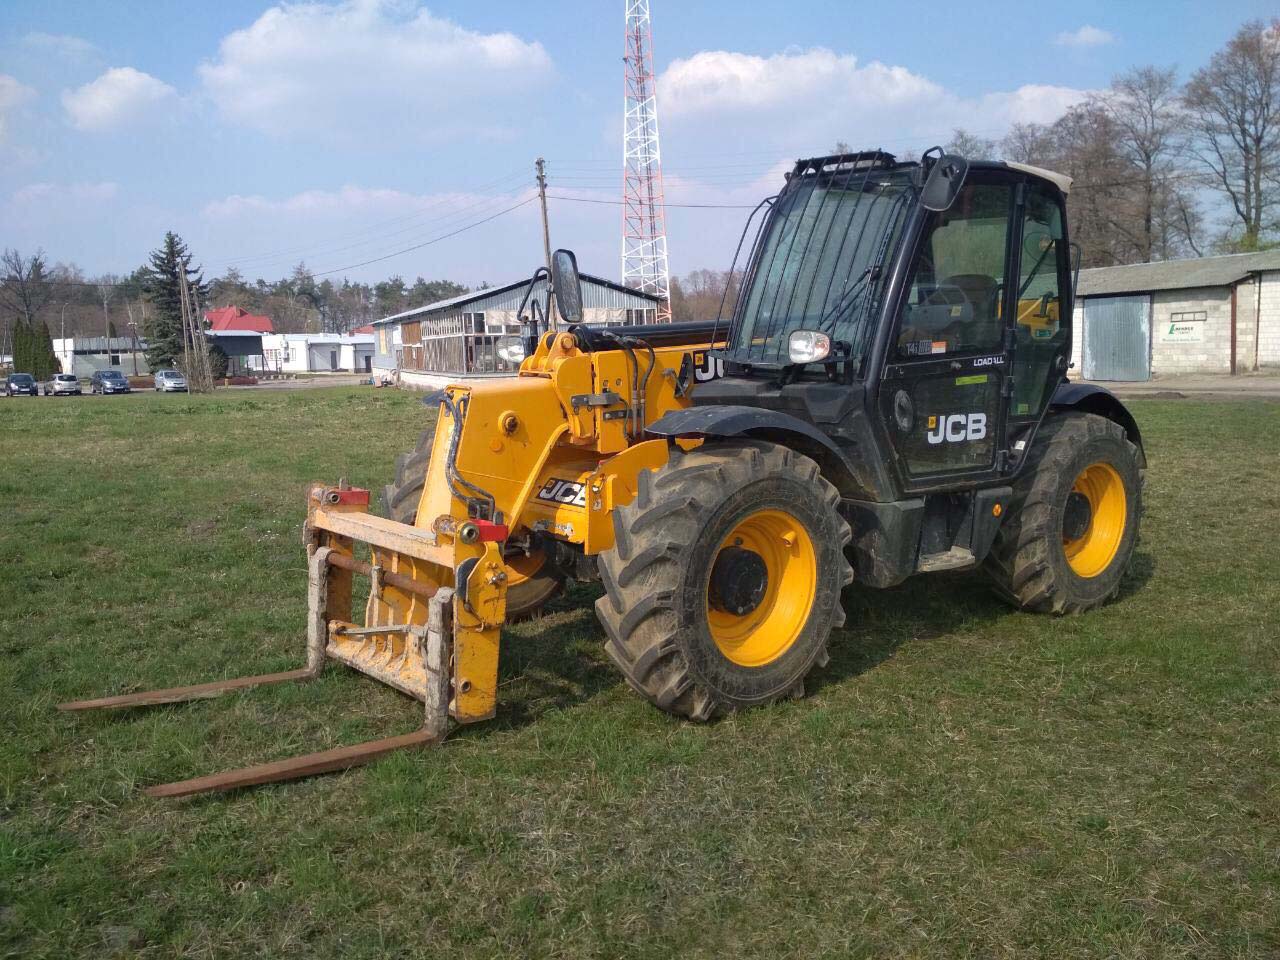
1073, 522
724, 582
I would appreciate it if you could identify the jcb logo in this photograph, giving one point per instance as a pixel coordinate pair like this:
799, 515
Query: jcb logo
957, 427
564, 491
706, 367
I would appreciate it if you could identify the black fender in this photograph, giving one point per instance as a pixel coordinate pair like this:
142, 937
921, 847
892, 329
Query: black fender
737, 420
1091, 398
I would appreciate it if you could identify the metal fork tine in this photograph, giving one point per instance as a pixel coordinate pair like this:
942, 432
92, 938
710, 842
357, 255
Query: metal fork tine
309, 764
199, 691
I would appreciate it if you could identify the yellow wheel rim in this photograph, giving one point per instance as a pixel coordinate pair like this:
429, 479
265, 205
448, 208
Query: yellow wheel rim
1091, 553
521, 566
768, 630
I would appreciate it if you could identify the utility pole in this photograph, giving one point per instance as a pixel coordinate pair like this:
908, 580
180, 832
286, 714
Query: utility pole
542, 196
541, 167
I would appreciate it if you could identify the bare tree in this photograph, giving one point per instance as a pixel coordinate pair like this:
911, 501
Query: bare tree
24, 291
1032, 143
1156, 211
1234, 103
970, 145
106, 291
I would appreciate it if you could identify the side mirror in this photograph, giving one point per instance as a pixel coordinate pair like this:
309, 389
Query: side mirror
946, 177
567, 286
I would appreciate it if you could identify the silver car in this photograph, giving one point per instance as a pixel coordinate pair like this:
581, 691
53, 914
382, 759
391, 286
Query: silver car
62, 384
170, 381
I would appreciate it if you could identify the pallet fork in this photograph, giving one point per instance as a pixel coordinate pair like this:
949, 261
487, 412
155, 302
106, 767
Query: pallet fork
409, 639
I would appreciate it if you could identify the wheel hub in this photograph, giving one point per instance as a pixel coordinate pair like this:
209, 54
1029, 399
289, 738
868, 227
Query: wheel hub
1077, 516
739, 581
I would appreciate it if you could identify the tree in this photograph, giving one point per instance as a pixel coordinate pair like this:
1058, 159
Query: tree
1156, 212
106, 291
1031, 143
24, 292
971, 146
218, 361
1234, 103
166, 338
33, 351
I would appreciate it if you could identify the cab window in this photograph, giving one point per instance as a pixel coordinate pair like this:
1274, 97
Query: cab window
954, 302
1040, 333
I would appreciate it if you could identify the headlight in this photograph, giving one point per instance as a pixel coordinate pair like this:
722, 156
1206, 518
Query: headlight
808, 346
511, 349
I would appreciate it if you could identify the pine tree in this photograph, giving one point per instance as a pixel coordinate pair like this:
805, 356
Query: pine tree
22, 348
163, 285
44, 362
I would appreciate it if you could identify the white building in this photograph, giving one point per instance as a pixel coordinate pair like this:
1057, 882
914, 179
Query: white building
84, 356
1207, 315
317, 352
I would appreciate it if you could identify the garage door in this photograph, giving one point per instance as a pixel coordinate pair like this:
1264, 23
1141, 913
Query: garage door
1117, 338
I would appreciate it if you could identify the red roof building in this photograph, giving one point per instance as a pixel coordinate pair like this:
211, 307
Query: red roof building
233, 319
367, 328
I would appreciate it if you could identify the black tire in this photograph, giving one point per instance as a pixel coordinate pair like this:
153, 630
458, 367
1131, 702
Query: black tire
1028, 563
656, 578
525, 598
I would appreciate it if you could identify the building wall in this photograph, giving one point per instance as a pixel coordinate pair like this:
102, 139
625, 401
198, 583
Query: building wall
1268, 302
1257, 328
84, 356
446, 339
1213, 353
1077, 341
386, 340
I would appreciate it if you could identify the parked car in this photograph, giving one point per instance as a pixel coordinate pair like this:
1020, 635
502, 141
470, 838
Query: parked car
62, 385
170, 381
108, 381
17, 384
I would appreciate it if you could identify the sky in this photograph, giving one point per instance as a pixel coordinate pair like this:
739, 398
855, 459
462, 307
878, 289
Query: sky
342, 134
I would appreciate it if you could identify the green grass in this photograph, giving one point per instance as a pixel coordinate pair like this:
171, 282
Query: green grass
961, 781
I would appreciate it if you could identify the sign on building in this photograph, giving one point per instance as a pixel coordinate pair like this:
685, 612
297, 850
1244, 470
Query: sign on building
1184, 327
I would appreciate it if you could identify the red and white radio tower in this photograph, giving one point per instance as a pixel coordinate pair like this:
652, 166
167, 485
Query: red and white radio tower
644, 221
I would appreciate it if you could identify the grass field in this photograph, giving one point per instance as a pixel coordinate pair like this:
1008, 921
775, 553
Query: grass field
962, 780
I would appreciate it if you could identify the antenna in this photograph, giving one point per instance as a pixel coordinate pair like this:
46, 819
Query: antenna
644, 221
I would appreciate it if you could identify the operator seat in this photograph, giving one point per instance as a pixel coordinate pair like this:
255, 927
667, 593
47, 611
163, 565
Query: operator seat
982, 292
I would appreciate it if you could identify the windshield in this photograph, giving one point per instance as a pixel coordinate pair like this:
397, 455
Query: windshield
112, 375
820, 261
20, 378
64, 377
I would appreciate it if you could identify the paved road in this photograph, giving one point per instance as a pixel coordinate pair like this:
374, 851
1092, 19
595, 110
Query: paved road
1202, 386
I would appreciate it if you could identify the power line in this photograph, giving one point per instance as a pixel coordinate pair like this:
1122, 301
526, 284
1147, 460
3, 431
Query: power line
419, 246
686, 206
350, 266
444, 221
377, 225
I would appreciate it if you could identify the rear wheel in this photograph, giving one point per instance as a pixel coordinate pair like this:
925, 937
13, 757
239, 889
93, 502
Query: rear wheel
724, 582
1073, 523
532, 580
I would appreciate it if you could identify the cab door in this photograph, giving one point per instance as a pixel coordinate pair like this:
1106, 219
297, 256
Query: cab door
942, 395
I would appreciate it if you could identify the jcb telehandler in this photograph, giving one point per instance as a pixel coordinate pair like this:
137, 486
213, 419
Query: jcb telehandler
888, 397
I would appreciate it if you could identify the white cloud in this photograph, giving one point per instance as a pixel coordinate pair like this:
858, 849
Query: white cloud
1086, 36
800, 102
48, 193
119, 97
62, 44
12, 95
372, 68
341, 202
